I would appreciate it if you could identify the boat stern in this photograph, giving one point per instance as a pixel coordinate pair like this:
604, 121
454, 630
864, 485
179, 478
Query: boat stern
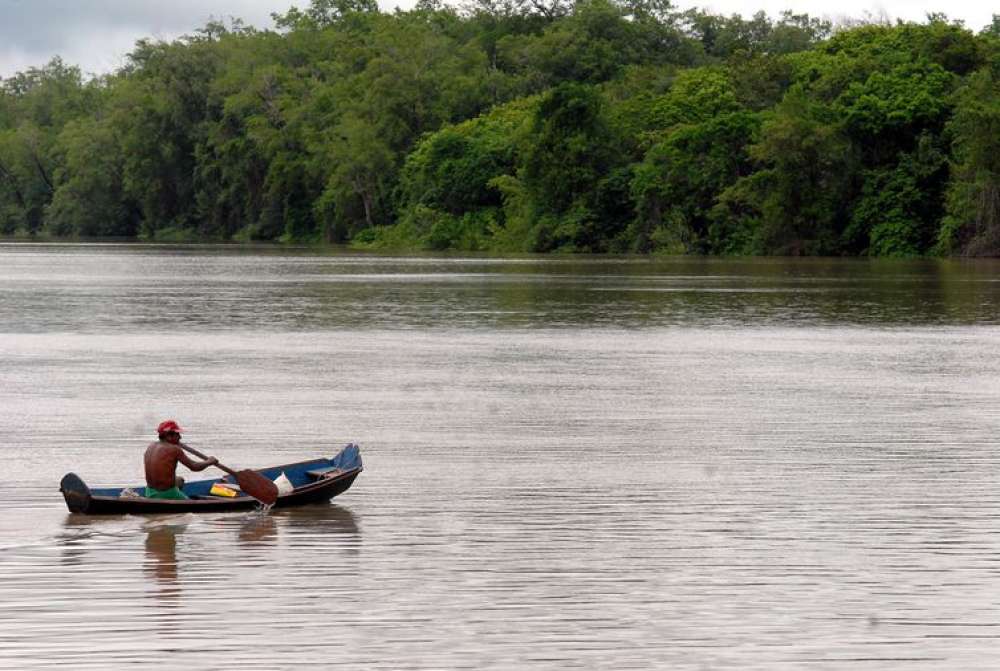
76, 492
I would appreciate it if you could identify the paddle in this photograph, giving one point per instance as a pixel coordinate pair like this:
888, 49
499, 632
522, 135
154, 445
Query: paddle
251, 482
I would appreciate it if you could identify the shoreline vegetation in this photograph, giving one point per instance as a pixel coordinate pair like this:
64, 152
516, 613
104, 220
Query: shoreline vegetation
601, 126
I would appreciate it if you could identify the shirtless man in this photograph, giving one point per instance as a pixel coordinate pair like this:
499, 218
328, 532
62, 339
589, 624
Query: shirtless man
161, 463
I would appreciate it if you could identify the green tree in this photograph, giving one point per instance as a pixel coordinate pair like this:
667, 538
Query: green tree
600, 125
900, 207
37, 103
591, 45
447, 186
160, 109
90, 200
322, 13
972, 224
569, 152
677, 186
804, 189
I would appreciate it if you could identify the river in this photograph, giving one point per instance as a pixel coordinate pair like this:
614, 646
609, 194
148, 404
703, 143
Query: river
570, 463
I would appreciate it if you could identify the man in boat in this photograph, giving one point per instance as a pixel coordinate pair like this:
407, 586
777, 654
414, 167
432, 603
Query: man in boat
161, 463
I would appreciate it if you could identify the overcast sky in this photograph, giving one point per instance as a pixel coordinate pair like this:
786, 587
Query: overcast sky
96, 34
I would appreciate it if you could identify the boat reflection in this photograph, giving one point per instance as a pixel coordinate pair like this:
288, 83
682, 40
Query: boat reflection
72, 540
257, 530
161, 559
319, 518
173, 540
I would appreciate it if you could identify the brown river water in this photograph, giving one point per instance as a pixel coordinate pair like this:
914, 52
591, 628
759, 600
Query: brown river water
569, 463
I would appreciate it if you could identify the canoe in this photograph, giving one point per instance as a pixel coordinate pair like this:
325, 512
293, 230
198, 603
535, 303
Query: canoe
313, 481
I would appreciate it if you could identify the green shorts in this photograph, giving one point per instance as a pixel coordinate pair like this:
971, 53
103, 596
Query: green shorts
172, 493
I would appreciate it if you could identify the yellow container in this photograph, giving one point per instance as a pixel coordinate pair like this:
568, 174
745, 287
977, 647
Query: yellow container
222, 490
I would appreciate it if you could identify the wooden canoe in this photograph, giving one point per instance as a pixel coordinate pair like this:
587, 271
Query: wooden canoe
314, 481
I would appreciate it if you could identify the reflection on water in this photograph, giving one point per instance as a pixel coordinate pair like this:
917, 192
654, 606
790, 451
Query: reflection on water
322, 518
615, 463
242, 536
142, 288
161, 558
258, 529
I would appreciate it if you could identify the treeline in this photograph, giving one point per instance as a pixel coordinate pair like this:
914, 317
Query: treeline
522, 125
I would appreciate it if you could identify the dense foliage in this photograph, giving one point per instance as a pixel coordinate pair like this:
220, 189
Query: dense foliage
522, 125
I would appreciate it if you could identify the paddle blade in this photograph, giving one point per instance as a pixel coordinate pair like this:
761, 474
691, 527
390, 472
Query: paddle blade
257, 486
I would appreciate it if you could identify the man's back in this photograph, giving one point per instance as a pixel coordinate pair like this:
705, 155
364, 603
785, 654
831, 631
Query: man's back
161, 464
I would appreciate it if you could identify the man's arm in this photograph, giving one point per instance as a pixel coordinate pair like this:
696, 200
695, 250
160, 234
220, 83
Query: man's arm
195, 465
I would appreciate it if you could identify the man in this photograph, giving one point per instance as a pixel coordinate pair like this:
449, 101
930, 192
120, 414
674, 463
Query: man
161, 463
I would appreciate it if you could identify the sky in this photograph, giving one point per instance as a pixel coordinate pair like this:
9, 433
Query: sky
97, 34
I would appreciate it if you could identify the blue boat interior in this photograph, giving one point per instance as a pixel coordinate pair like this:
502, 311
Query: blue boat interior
299, 474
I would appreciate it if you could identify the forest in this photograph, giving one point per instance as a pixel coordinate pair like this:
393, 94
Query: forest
515, 126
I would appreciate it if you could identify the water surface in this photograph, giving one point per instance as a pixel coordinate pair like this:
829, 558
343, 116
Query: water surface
570, 463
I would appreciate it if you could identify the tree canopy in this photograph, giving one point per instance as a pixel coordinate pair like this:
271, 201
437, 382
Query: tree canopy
522, 125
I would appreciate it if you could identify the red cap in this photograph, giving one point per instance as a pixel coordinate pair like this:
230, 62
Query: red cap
168, 427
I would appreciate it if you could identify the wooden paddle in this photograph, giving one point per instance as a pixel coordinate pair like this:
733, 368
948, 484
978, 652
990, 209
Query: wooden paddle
251, 482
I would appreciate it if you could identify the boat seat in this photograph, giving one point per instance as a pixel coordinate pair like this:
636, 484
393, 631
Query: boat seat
320, 473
